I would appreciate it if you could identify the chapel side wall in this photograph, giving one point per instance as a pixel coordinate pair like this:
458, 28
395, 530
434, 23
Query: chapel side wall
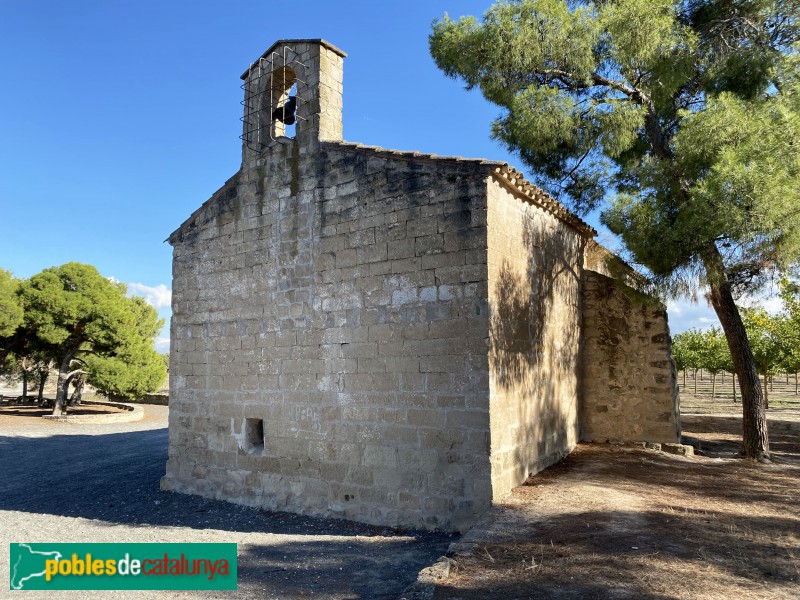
340, 298
403, 259
534, 296
630, 390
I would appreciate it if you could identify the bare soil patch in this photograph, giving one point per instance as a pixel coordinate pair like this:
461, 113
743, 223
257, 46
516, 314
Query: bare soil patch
626, 522
20, 414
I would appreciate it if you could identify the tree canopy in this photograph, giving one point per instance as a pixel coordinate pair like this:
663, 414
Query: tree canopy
678, 118
687, 112
89, 324
790, 295
10, 306
773, 341
687, 350
136, 368
696, 349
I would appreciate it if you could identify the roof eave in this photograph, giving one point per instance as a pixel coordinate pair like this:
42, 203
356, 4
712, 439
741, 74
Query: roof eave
514, 180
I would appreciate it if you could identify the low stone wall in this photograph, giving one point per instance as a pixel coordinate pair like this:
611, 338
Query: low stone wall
158, 399
132, 413
630, 390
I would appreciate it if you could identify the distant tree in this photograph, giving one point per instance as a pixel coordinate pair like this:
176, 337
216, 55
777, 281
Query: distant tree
23, 369
36, 356
43, 367
679, 355
26, 357
684, 114
714, 355
11, 314
80, 314
730, 368
790, 364
770, 345
687, 348
790, 297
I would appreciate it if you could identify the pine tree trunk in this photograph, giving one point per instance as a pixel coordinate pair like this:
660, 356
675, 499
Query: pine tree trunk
795, 384
695, 382
24, 385
62, 386
755, 438
684, 378
713, 386
77, 393
766, 392
733, 380
42, 380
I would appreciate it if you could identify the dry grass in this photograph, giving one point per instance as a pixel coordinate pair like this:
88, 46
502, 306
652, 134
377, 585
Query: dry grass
781, 394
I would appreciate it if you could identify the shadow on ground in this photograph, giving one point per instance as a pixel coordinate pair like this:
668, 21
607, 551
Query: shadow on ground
631, 555
616, 522
721, 437
114, 478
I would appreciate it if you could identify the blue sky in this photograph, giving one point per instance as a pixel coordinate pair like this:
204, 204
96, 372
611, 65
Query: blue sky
118, 118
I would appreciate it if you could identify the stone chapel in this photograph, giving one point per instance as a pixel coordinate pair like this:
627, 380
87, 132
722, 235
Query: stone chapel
391, 337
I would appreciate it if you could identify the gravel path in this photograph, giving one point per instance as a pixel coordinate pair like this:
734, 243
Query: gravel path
99, 483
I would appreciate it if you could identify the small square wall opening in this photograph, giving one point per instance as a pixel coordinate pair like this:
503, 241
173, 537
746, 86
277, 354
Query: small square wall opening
254, 436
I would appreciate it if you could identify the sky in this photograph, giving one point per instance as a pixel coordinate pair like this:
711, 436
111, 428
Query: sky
118, 118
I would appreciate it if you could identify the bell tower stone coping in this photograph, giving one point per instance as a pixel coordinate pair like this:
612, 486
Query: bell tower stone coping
318, 41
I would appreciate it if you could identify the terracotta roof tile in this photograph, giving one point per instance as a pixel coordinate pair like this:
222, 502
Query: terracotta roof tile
515, 180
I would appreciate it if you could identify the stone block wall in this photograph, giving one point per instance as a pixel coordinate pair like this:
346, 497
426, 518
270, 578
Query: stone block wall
630, 388
329, 339
534, 297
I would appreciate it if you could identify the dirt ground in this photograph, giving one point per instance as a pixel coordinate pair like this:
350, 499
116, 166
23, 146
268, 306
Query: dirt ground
10, 413
626, 522
99, 482
607, 522
19, 416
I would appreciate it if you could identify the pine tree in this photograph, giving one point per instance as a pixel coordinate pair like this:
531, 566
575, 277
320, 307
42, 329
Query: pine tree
679, 118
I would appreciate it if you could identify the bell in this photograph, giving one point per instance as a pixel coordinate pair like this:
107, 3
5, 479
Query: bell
285, 114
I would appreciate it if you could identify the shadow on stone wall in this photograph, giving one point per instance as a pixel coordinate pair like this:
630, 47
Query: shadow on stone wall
522, 309
525, 357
